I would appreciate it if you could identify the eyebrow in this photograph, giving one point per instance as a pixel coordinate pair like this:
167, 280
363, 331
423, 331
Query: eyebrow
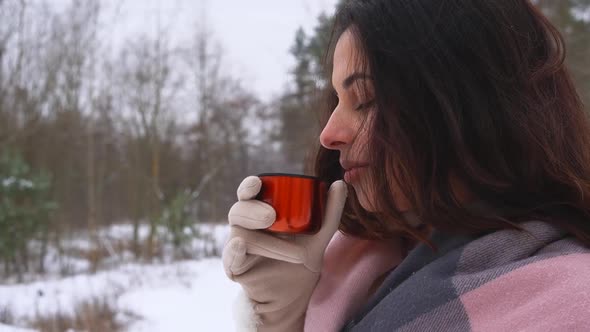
354, 77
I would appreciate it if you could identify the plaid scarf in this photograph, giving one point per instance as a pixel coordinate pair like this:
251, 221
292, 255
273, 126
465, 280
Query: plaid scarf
509, 280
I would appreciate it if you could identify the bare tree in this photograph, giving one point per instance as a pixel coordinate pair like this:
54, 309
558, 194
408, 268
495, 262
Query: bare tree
218, 141
151, 86
123, 135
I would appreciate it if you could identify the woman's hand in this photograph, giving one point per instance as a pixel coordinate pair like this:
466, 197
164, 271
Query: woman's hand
277, 272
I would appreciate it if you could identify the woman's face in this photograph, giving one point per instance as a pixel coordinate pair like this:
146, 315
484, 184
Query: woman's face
349, 124
347, 128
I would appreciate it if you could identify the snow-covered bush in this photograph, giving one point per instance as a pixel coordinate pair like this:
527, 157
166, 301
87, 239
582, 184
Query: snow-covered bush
178, 223
25, 208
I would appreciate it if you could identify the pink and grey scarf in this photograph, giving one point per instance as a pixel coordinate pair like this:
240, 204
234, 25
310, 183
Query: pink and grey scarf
532, 280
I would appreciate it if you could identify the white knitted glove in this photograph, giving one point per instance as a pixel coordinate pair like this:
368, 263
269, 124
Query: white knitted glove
277, 272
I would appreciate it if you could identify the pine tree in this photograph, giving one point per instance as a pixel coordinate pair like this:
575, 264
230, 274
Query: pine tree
25, 208
572, 18
298, 131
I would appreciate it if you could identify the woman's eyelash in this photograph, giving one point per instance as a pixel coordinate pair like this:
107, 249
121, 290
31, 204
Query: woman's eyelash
365, 105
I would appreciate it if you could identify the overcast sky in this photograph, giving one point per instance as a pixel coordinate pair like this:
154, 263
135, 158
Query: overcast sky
255, 34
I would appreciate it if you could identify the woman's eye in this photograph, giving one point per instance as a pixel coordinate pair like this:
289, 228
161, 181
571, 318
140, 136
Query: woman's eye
365, 105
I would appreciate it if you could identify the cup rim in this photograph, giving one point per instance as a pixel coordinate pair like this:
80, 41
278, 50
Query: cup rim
291, 175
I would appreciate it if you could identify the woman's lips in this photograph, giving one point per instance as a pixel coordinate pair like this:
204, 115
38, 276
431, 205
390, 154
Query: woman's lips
353, 174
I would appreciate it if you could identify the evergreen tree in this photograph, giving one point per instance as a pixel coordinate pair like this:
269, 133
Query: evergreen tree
572, 18
25, 207
298, 117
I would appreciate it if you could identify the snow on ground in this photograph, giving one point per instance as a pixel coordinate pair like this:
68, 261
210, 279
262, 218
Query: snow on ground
180, 296
203, 305
6, 328
209, 241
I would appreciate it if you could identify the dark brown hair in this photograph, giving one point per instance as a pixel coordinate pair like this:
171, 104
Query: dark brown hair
470, 89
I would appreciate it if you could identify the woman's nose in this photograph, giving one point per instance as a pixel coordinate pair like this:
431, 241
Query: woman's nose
337, 133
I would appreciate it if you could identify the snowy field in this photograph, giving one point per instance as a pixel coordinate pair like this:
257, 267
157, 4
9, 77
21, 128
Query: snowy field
190, 295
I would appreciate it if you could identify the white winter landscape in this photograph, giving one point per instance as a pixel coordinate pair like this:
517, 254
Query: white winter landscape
186, 295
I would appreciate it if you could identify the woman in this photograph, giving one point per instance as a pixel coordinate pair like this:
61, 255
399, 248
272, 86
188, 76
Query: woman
465, 148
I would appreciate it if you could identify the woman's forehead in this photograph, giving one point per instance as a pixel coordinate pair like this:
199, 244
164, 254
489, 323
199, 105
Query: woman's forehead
347, 59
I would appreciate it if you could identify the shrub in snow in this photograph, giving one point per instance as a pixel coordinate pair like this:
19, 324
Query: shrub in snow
25, 208
178, 222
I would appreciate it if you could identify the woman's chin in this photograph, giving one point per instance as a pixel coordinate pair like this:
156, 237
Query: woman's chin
366, 202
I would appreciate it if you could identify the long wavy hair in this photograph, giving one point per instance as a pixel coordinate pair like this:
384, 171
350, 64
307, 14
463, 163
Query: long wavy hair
475, 90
